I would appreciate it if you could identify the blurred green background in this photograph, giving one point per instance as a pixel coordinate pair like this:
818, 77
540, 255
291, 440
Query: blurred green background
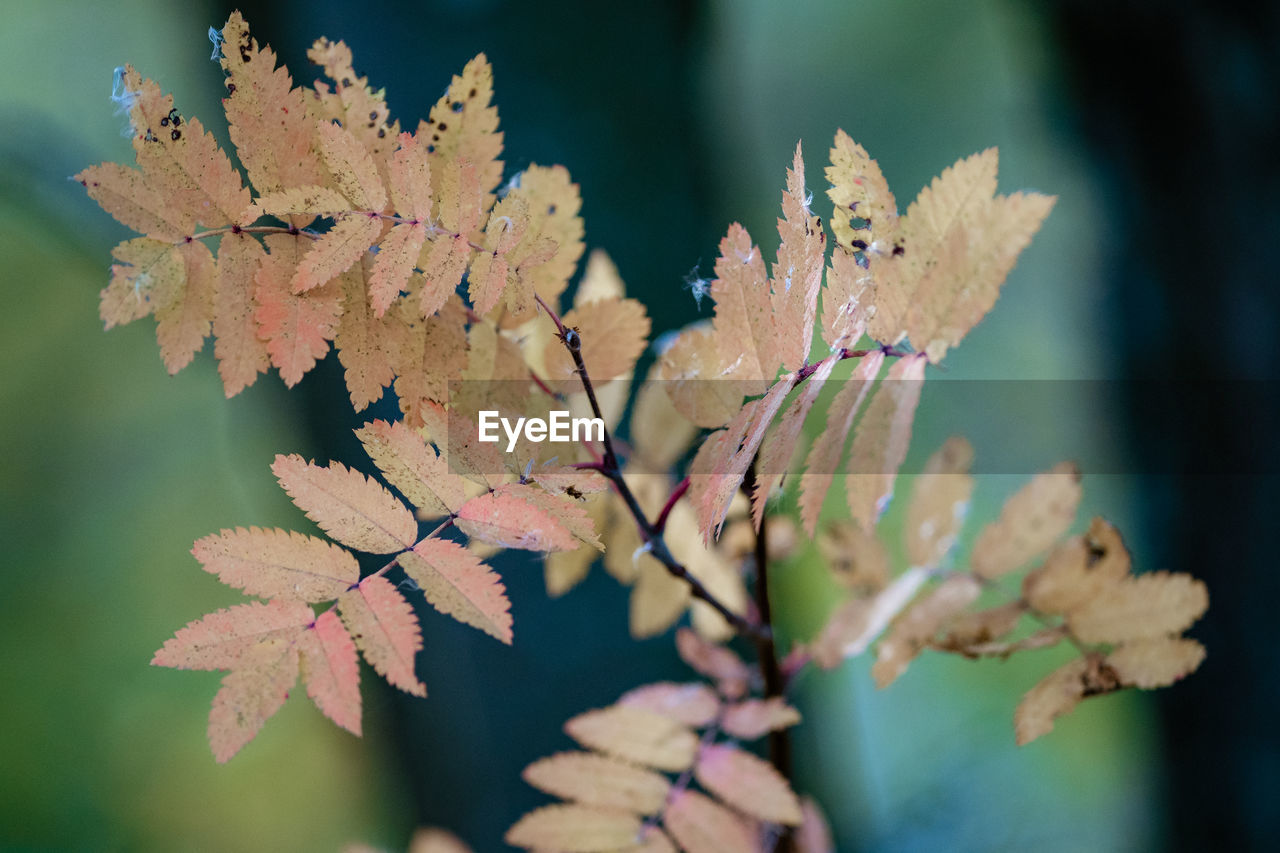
676, 119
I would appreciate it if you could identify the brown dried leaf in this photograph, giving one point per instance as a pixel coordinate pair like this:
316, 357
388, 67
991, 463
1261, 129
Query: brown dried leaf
918, 625
1140, 607
939, 503
1030, 522
1155, 661
1078, 570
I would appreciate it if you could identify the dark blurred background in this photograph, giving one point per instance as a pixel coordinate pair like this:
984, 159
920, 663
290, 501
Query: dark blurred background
1157, 126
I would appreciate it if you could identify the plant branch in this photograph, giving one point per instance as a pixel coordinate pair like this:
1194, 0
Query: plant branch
775, 683
609, 467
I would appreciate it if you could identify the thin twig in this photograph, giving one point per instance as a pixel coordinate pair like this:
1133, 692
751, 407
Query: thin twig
610, 468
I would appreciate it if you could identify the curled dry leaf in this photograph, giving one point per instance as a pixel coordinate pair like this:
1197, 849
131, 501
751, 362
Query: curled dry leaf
1077, 571
1059, 693
919, 624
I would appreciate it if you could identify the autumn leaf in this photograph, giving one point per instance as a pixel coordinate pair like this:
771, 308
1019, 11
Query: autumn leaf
636, 735
824, 455
135, 203
508, 519
693, 704
347, 505
179, 158
268, 117
754, 718
613, 333
413, 467
715, 662
600, 781
574, 828
918, 625
1155, 661
880, 441
748, 783
1140, 607
458, 584
701, 825
250, 695
242, 355
297, 328
336, 250
797, 275
1029, 523
743, 323
219, 640
278, 563
465, 123
939, 503
385, 629
367, 345
331, 670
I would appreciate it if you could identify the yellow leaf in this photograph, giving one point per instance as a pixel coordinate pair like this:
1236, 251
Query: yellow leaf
596, 780
881, 440
918, 625
574, 828
613, 334
458, 584
1078, 570
463, 123
797, 275
413, 467
636, 735
347, 505
747, 783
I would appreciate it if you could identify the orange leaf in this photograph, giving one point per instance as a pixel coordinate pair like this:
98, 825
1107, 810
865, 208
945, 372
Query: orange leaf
278, 563
597, 780
180, 159
397, 254
824, 455
881, 440
250, 694
743, 322
701, 825
458, 584
347, 505
268, 117
352, 167
127, 195
331, 670
410, 174
336, 250
297, 329
463, 123
748, 783
413, 467
694, 704
613, 333
509, 520
218, 641
386, 630
184, 314
366, 344
797, 276
242, 355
